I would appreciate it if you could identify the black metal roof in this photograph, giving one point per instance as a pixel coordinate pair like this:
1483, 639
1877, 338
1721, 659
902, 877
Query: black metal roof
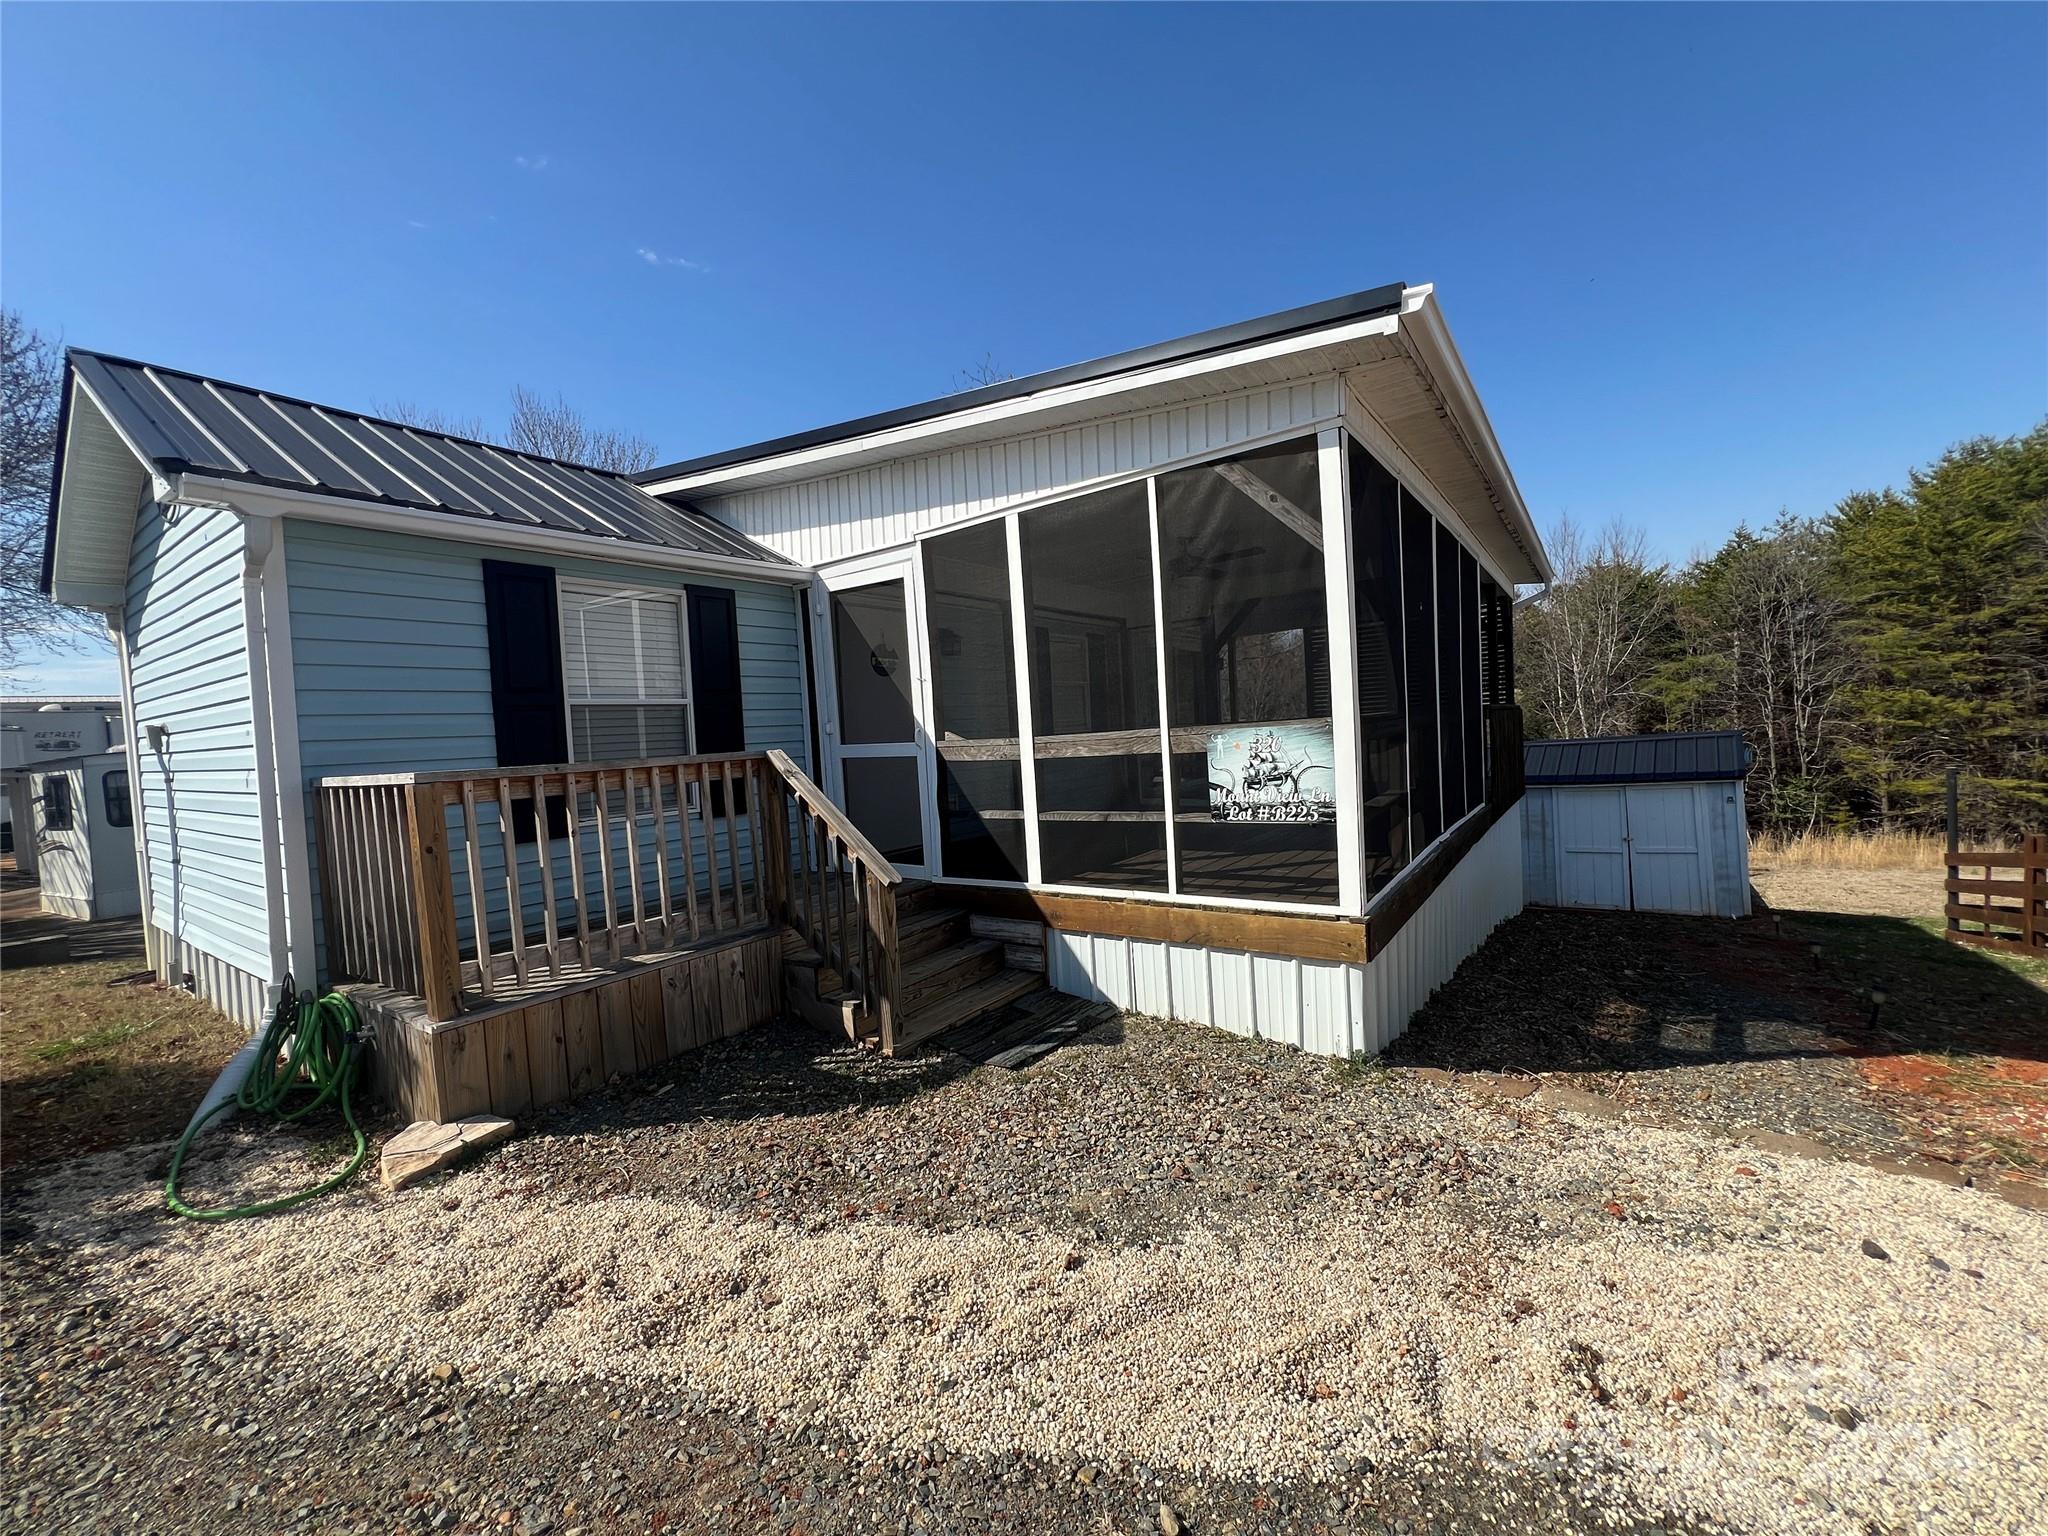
1679, 758
182, 421
1308, 317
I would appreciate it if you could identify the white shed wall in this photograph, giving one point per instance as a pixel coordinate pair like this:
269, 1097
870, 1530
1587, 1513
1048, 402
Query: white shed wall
1326, 1006
1720, 811
819, 521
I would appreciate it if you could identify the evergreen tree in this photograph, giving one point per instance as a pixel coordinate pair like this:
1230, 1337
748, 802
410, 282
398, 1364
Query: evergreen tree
1946, 589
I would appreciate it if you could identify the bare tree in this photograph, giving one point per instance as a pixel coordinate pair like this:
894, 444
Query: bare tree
1586, 648
980, 376
1790, 663
428, 419
31, 388
554, 429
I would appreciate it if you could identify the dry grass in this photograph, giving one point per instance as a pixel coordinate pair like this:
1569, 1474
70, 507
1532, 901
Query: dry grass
1849, 850
89, 1061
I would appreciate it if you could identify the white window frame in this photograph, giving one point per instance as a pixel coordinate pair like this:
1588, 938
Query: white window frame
609, 591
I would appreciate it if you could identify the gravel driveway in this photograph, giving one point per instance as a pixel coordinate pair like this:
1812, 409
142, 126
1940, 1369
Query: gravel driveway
784, 1288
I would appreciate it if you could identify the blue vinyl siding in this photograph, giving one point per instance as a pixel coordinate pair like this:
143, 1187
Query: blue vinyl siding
199, 800
391, 665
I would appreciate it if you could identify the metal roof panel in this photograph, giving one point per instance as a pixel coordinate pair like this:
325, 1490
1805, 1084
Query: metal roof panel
185, 421
1677, 757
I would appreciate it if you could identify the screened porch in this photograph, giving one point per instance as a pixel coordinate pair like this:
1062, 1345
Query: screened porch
1261, 681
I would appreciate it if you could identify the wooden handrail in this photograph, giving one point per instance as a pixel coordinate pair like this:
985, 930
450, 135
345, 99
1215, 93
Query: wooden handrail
436, 883
462, 885
805, 790
611, 770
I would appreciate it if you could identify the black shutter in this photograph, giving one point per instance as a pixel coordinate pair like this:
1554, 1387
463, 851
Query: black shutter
715, 700
526, 678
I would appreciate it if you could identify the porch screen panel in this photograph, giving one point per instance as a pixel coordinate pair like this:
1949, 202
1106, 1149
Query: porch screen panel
622, 663
1382, 680
1418, 611
1474, 689
1095, 691
1450, 677
1248, 677
974, 702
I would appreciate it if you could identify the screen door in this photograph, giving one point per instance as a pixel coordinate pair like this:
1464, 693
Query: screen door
881, 758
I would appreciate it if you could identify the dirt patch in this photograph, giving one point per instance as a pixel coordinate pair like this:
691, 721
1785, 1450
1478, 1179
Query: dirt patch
1742, 1025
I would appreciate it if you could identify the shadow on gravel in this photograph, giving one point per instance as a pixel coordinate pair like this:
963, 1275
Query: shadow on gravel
780, 1070
1555, 991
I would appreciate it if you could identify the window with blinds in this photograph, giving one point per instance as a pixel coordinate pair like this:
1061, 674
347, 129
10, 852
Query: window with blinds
623, 667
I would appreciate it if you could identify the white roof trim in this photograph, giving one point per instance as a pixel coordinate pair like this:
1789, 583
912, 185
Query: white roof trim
1004, 416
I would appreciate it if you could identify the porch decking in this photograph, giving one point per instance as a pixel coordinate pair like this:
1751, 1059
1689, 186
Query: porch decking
516, 940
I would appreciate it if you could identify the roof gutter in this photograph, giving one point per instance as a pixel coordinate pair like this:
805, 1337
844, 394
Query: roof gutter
271, 501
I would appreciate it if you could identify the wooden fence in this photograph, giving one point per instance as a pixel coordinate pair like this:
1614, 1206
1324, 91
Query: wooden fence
2007, 914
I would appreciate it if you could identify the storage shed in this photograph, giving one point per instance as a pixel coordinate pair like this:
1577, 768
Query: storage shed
1638, 823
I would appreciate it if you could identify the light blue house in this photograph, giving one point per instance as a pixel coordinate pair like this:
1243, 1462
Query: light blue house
1180, 678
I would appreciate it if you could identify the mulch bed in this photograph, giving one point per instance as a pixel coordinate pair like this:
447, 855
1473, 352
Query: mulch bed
1717, 1024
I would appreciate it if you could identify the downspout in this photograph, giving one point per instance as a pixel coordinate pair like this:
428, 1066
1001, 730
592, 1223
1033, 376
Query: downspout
258, 533
138, 811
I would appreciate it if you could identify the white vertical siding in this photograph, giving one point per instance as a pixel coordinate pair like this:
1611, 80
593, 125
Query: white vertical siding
1325, 1006
1717, 809
199, 800
831, 518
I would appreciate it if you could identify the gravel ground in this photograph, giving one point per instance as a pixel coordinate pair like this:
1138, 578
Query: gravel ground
783, 1288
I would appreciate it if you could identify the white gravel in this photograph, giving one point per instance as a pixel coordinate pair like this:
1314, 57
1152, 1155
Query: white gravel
1684, 1358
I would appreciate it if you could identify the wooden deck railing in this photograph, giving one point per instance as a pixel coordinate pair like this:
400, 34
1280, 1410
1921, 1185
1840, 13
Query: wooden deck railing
841, 896
466, 887
460, 886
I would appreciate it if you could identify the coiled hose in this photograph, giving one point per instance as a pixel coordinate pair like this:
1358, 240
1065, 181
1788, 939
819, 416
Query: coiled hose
310, 1049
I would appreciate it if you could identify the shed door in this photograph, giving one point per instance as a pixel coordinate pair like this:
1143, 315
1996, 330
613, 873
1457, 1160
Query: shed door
1667, 860
1592, 848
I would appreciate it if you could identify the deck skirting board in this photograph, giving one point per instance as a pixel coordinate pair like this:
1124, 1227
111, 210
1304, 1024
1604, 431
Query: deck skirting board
1331, 1007
562, 1043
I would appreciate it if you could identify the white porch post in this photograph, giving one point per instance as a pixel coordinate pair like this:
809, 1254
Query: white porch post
1334, 479
1020, 640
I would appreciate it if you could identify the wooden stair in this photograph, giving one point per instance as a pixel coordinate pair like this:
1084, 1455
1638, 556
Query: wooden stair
950, 974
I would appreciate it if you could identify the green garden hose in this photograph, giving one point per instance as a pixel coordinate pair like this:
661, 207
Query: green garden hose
310, 1049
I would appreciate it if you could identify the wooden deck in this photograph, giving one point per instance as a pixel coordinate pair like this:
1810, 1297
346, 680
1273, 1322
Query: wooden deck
550, 1043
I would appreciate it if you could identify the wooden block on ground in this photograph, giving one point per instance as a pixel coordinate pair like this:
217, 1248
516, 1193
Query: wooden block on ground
547, 1058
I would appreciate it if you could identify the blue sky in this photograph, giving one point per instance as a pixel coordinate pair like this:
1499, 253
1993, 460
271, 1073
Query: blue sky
1704, 263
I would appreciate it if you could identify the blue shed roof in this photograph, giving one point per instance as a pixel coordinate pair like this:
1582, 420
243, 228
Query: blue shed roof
1680, 757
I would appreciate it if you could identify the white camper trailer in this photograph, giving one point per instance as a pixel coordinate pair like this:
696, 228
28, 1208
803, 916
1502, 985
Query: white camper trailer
66, 777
